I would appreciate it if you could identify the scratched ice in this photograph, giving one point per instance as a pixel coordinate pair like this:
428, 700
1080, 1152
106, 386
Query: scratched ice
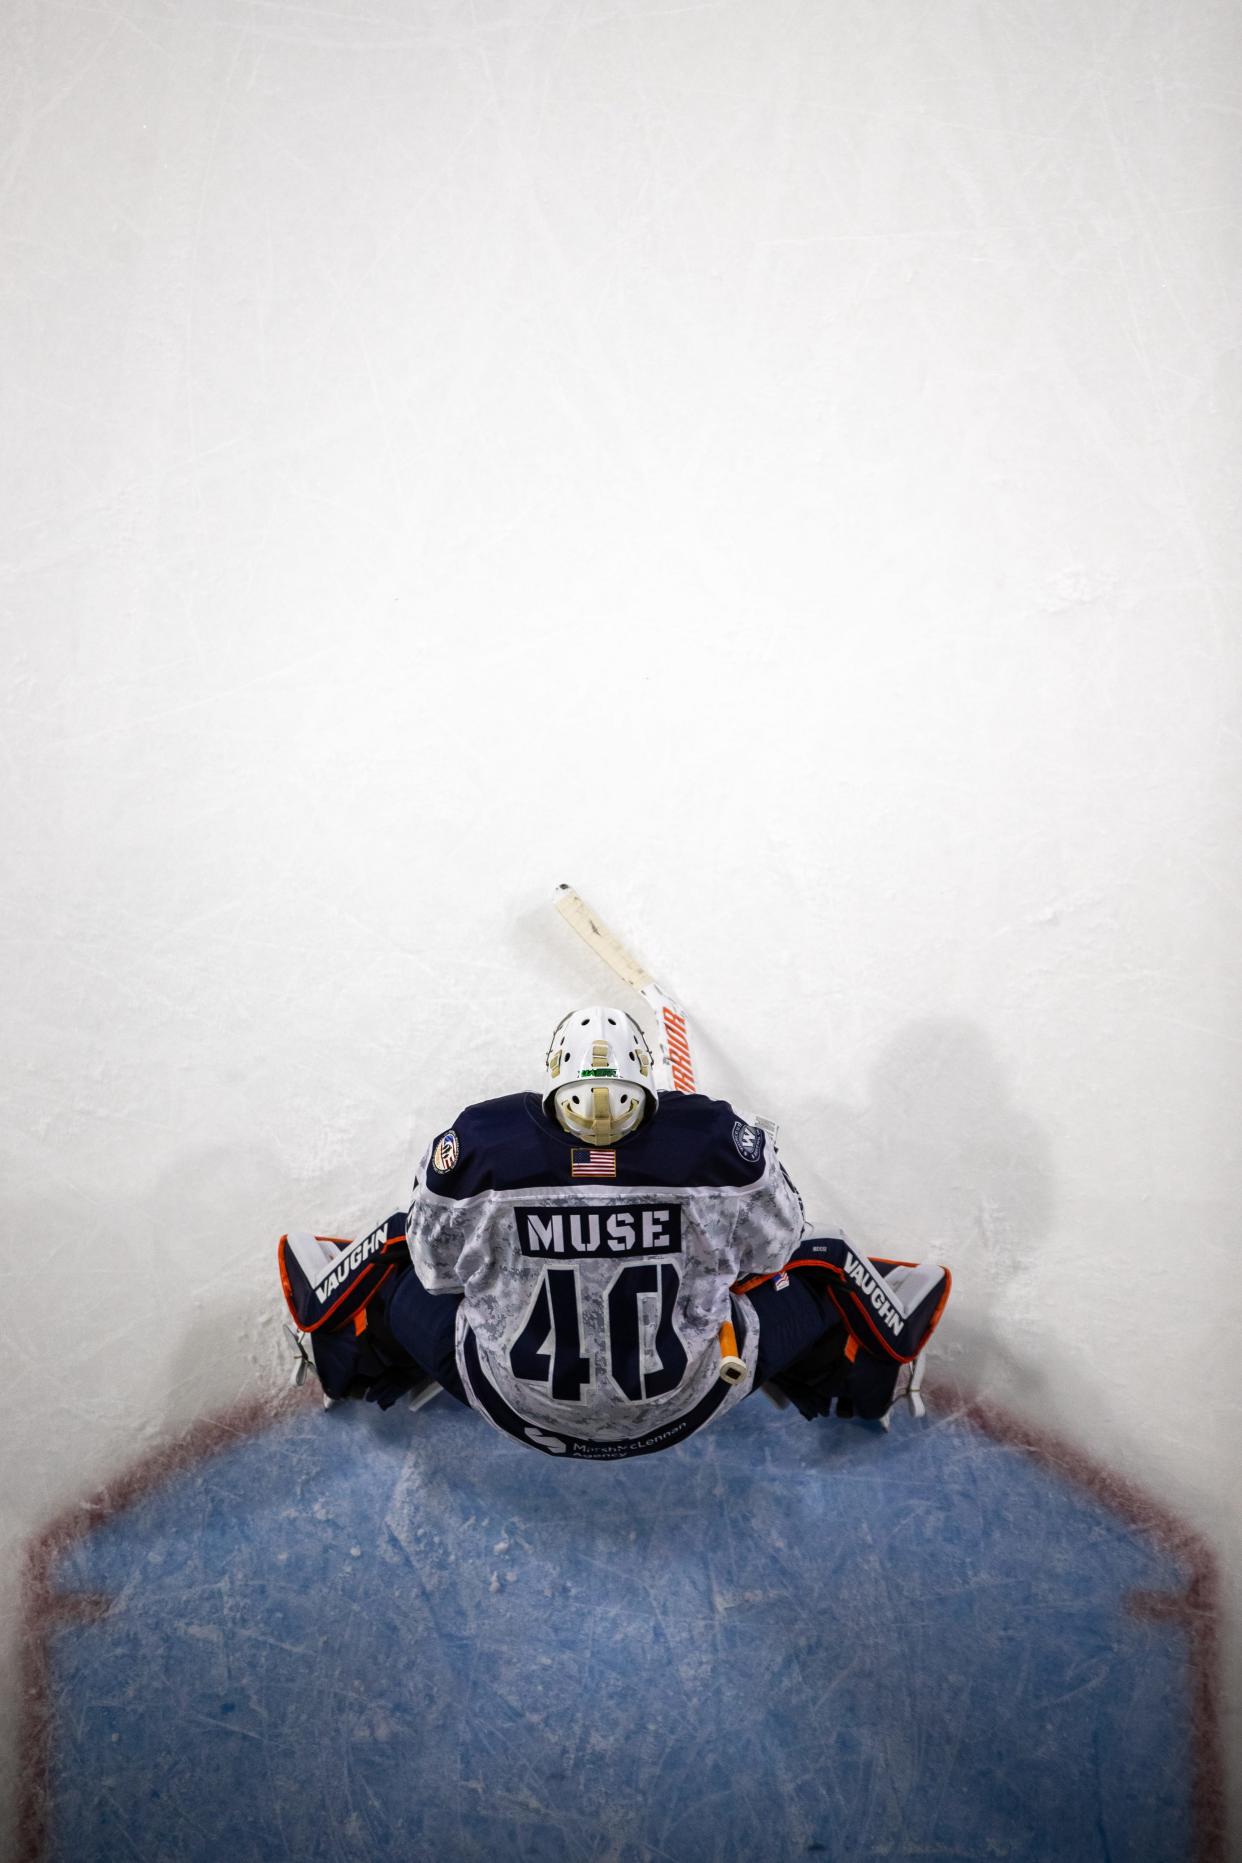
363, 1636
776, 466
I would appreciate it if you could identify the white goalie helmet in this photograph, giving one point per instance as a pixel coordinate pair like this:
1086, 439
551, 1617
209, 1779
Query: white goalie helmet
598, 1074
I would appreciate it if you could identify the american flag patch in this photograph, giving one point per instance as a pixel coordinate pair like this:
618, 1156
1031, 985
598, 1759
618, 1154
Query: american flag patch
593, 1164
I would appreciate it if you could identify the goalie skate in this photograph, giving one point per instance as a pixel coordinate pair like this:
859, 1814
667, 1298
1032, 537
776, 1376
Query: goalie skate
908, 1390
303, 1363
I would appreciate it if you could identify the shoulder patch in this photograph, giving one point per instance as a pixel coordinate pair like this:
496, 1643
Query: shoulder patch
748, 1140
446, 1153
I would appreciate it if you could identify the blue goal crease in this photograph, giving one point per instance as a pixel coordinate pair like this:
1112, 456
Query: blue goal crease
382, 1636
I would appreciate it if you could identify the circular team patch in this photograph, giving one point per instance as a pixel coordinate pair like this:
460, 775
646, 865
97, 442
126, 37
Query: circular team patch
446, 1153
748, 1139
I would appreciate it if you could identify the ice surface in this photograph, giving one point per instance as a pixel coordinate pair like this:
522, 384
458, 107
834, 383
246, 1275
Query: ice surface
774, 467
357, 1637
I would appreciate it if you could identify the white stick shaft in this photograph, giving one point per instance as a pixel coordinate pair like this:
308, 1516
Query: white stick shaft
575, 911
676, 1061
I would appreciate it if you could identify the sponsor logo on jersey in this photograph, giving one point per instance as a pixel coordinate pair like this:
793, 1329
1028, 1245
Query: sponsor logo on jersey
606, 1230
592, 1163
446, 1153
542, 1440
748, 1140
781, 1282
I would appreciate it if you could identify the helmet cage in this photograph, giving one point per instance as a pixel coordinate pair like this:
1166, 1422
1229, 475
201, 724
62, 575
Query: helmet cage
598, 1074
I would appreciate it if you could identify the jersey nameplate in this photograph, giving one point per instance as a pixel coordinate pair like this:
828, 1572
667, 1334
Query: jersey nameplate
607, 1229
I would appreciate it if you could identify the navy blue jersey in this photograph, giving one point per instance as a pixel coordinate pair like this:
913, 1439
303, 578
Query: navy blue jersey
595, 1282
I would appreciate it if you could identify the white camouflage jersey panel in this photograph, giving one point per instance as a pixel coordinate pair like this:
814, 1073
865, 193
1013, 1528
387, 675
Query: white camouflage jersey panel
595, 1305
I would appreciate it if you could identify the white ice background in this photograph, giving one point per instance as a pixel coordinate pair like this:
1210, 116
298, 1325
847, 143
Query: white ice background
773, 465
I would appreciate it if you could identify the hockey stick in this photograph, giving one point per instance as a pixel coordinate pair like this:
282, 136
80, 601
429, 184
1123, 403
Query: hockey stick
678, 1068
675, 1062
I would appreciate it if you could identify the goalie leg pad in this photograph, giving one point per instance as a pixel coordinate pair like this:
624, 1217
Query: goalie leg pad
801, 1339
424, 1326
337, 1293
871, 1388
890, 1309
365, 1358
353, 1364
327, 1283
821, 1377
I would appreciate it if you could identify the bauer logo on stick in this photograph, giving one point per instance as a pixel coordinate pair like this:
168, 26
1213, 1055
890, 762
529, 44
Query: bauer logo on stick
446, 1153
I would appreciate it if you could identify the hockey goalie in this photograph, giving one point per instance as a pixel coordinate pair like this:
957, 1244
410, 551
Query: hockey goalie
601, 1269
